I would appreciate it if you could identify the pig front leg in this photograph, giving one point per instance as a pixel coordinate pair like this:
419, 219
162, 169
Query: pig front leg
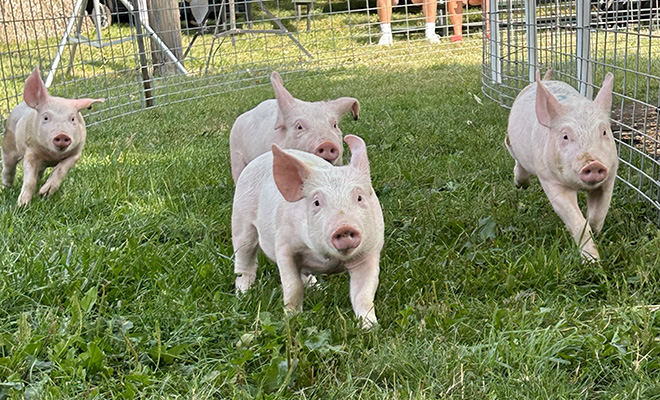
57, 176
598, 203
364, 282
31, 166
290, 275
564, 202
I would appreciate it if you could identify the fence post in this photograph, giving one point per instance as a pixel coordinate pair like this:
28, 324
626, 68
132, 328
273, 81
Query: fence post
164, 20
584, 73
495, 56
530, 31
148, 95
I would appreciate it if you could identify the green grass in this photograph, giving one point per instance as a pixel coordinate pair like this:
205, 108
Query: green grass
121, 284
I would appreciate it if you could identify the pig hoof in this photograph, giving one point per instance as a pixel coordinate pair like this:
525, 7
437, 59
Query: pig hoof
524, 185
23, 202
309, 281
44, 191
243, 283
366, 324
590, 256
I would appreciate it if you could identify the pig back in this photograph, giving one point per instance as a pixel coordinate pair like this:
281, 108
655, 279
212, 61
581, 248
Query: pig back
253, 132
522, 123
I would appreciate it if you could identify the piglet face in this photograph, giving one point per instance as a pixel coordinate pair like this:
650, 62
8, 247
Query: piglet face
341, 211
343, 215
311, 127
586, 155
581, 144
60, 127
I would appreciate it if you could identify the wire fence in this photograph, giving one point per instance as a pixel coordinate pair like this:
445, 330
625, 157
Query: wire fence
145, 53
582, 41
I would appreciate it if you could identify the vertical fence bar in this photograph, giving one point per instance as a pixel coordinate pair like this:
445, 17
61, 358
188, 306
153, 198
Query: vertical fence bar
583, 50
147, 91
495, 56
530, 31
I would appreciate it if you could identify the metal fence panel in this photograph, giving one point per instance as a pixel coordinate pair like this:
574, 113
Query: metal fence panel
113, 49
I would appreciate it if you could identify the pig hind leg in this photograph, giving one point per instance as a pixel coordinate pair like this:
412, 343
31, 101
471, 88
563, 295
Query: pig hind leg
520, 176
246, 244
309, 280
238, 163
9, 162
10, 159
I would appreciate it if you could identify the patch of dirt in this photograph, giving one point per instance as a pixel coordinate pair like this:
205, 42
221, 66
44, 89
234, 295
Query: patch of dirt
638, 127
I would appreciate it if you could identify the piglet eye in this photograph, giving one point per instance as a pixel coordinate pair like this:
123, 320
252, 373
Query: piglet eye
604, 133
359, 198
565, 137
299, 127
45, 117
317, 203
73, 119
335, 125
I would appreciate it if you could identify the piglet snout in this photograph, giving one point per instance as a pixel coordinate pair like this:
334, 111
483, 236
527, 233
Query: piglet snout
328, 151
62, 141
346, 238
594, 172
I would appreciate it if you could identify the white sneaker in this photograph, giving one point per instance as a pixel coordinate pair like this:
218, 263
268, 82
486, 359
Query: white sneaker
385, 40
434, 39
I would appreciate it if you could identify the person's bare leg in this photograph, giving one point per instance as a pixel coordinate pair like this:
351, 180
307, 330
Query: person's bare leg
485, 8
385, 18
384, 11
429, 9
455, 11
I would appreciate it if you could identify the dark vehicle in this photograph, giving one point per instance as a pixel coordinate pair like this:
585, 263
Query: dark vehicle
624, 12
114, 11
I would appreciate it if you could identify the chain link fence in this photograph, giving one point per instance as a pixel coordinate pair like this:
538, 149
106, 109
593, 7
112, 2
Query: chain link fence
145, 53
583, 40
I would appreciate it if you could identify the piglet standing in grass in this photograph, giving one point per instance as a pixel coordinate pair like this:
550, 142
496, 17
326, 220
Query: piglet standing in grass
566, 140
310, 217
44, 131
291, 124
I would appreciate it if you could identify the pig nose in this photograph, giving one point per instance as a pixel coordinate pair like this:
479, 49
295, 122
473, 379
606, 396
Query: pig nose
328, 151
62, 141
594, 172
346, 237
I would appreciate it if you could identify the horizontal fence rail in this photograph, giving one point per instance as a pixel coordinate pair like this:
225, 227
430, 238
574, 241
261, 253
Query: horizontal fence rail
582, 41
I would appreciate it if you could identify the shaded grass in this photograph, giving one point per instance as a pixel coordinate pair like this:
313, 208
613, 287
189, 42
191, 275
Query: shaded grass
121, 284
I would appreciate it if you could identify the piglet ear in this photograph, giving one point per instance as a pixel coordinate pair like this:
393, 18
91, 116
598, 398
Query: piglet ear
284, 99
358, 149
289, 173
35, 92
81, 104
547, 106
604, 97
345, 104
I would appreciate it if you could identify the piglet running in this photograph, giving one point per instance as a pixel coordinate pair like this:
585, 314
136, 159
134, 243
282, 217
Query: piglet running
291, 124
44, 131
309, 216
566, 140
